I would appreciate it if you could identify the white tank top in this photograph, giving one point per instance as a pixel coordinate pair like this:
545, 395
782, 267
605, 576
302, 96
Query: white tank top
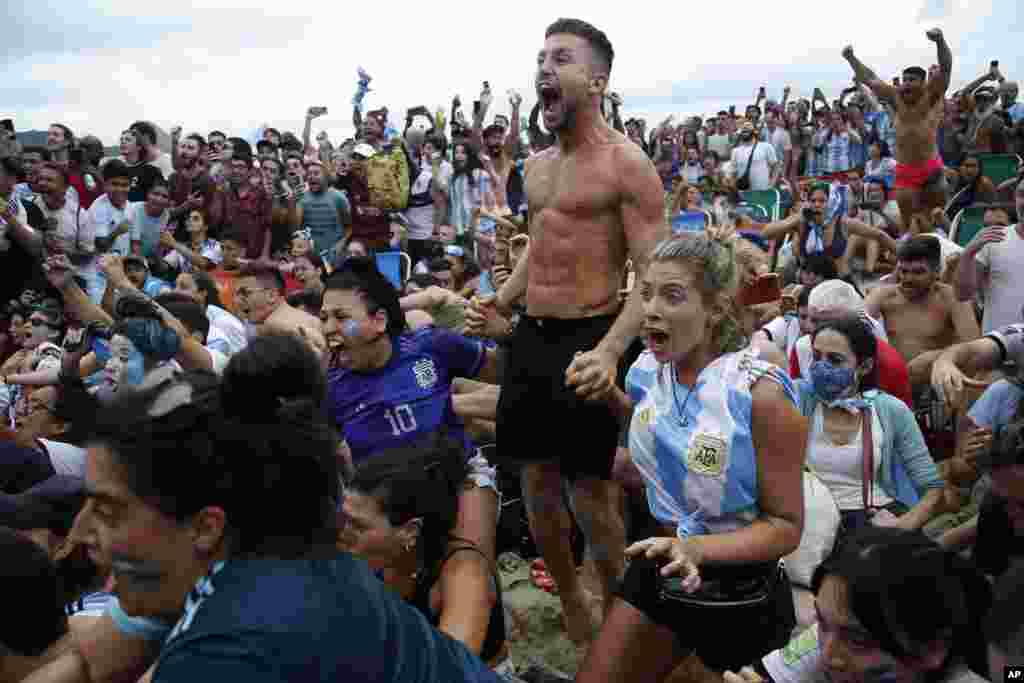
840, 467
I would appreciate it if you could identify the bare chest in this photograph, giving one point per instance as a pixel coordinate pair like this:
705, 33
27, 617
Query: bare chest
584, 186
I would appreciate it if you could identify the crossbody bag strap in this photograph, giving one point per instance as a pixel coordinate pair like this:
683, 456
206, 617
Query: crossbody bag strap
750, 160
868, 460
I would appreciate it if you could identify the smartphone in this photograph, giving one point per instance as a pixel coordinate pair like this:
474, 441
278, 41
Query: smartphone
995, 63
766, 288
487, 85
732, 110
761, 91
318, 111
476, 107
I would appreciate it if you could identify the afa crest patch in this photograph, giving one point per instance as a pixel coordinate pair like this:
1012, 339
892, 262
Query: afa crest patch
425, 372
707, 454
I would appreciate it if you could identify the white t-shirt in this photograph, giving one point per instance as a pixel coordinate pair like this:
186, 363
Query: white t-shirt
1004, 295
105, 218
227, 333
210, 250
421, 218
780, 140
760, 168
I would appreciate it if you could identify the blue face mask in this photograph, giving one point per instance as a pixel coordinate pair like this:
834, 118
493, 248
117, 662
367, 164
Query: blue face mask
829, 381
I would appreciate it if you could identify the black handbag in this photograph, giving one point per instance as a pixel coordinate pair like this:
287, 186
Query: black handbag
728, 591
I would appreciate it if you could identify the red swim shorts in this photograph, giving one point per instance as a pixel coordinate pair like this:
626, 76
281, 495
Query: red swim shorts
913, 177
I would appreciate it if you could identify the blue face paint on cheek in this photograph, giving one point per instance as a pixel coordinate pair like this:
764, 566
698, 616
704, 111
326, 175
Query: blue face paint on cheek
351, 328
136, 574
135, 370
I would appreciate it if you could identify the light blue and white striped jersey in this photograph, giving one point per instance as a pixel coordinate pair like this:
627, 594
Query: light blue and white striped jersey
699, 465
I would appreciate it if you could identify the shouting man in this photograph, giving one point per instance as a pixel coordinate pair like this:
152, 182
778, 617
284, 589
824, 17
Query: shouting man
918, 104
594, 200
922, 315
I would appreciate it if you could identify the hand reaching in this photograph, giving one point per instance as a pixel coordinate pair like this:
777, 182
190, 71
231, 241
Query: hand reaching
59, 271
680, 556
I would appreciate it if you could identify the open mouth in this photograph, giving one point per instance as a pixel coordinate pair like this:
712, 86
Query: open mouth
549, 96
657, 340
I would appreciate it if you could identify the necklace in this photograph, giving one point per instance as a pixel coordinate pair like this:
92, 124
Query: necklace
675, 398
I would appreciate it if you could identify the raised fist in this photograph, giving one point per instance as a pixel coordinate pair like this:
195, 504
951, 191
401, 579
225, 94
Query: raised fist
848, 52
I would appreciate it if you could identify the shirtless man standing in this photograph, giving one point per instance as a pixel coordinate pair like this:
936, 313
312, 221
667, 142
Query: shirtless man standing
595, 200
918, 105
922, 316
260, 301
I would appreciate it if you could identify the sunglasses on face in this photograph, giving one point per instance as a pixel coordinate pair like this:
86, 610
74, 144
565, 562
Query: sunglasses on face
40, 322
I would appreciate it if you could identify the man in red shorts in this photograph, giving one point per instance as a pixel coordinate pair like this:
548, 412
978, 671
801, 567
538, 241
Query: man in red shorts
918, 108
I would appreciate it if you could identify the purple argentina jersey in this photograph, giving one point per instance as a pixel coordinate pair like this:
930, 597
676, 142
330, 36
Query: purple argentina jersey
407, 399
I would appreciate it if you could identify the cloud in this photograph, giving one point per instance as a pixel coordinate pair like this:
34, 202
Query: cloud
234, 64
934, 9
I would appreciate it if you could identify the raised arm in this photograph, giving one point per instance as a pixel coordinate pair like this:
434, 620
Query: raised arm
938, 85
29, 239
512, 140
856, 227
863, 74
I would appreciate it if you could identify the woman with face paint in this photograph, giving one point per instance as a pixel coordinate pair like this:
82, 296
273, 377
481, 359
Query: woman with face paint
178, 478
905, 488
391, 388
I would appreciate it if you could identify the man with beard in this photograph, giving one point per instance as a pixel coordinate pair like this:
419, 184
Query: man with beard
918, 105
190, 186
146, 134
922, 316
594, 200
325, 211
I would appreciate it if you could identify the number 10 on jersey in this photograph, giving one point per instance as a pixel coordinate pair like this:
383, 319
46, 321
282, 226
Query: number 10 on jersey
401, 419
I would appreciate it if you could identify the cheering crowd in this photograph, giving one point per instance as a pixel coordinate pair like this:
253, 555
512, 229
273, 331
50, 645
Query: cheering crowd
266, 406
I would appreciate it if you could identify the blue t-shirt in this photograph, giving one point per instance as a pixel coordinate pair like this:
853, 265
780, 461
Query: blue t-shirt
407, 399
997, 407
308, 620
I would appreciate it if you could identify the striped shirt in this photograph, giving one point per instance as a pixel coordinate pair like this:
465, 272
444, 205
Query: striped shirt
696, 452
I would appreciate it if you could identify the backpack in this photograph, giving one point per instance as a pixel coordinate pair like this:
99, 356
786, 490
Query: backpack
389, 175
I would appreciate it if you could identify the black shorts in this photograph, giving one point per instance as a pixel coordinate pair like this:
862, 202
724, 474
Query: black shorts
724, 637
539, 419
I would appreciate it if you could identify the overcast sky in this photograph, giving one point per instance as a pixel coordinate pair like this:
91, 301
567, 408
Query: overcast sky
234, 65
